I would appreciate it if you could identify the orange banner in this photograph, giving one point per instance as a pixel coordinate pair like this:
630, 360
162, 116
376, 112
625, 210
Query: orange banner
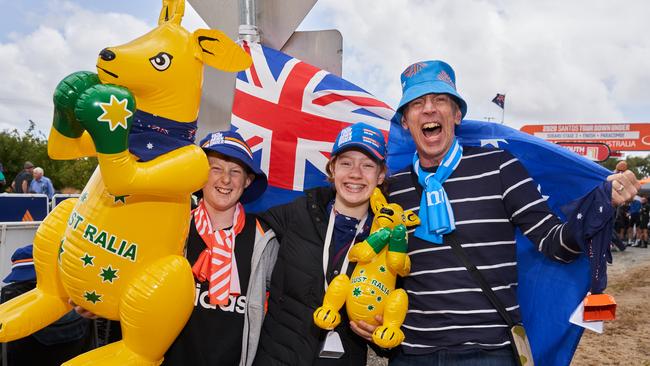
618, 136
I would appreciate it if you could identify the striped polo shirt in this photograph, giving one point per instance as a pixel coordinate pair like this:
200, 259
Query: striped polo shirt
491, 195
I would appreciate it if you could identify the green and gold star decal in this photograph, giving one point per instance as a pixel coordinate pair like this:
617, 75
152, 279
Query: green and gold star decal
115, 113
92, 297
356, 292
379, 298
382, 269
87, 260
108, 274
371, 307
121, 199
362, 271
61, 249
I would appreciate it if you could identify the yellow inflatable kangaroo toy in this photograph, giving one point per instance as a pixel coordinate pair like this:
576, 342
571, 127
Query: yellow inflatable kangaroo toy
371, 290
117, 250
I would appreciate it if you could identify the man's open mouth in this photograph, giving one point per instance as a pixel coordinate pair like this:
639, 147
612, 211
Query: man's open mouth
431, 129
108, 72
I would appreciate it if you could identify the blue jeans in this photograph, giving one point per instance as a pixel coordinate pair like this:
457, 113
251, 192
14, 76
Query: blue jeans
470, 357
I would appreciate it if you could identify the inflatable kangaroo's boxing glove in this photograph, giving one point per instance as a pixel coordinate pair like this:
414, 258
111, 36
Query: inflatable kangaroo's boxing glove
106, 111
66, 95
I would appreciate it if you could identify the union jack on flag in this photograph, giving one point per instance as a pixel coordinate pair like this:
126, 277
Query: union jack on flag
289, 112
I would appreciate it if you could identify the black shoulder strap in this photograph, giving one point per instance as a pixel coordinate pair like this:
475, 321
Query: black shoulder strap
478, 277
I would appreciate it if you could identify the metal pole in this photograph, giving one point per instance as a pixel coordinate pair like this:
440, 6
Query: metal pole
248, 28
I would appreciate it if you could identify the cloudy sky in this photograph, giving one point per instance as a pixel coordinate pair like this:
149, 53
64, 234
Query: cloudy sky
556, 61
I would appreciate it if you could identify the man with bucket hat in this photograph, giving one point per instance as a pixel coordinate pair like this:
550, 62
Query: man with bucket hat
474, 197
231, 257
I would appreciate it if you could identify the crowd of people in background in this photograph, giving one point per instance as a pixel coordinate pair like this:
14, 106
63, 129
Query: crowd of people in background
632, 219
31, 179
632, 223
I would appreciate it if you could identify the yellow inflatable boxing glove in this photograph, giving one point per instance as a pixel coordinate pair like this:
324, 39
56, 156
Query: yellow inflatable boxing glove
371, 289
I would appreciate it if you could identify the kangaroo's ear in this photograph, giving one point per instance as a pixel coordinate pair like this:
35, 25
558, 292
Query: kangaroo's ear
411, 219
172, 11
221, 52
377, 200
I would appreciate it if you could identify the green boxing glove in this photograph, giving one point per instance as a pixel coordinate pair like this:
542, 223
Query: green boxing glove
398, 241
106, 112
65, 99
378, 239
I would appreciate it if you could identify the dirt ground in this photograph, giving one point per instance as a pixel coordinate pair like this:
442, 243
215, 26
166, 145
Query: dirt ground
626, 340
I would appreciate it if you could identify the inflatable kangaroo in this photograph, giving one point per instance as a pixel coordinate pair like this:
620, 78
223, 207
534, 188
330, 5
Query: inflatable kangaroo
371, 290
117, 250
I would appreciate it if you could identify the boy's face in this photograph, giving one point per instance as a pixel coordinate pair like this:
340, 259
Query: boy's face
226, 183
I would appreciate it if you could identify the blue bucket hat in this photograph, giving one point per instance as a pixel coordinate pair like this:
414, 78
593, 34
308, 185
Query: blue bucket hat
232, 145
428, 77
22, 266
362, 136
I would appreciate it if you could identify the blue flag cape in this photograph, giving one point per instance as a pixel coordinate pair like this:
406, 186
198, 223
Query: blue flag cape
548, 291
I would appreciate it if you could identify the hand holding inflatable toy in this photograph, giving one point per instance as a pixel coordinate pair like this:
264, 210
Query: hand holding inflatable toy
117, 250
371, 290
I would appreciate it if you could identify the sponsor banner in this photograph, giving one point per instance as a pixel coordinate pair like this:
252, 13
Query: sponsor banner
594, 151
618, 136
23, 207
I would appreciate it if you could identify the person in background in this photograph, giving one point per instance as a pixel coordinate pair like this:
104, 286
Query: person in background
22, 180
315, 233
60, 341
644, 220
621, 224
3, 180
621, 217
41, 184
481, 195
633, 228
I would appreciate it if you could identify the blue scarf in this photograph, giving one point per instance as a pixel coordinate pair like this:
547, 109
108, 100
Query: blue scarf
152, 136
436, 215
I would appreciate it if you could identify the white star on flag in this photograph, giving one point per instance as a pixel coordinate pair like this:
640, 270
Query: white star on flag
150, 146
539, 189
493, 142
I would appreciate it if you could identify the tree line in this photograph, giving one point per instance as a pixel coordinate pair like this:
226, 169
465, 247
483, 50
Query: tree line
16, 148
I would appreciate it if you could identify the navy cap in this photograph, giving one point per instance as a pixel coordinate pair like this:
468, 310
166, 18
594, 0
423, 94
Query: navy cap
429, 77
232, 145
22, 266
363, 136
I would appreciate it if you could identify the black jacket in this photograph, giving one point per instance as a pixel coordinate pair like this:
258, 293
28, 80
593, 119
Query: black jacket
289, 335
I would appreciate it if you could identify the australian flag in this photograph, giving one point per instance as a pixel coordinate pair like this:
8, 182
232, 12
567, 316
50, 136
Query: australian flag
290, 113
500, 100
548, 291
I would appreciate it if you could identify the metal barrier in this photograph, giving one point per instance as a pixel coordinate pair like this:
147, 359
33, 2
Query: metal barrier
60, 197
